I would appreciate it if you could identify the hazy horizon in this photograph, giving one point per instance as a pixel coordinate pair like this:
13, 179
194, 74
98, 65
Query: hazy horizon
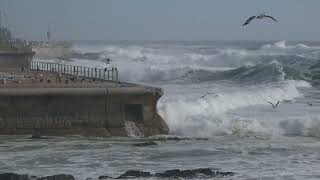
166, 20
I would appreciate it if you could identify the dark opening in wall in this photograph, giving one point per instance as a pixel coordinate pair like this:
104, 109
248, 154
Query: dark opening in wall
133, 112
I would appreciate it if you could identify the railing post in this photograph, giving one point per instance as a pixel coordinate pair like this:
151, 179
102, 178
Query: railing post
112, 74
88, 71
117, 79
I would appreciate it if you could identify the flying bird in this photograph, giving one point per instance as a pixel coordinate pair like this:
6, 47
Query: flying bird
206, 94
274, 106
260, 16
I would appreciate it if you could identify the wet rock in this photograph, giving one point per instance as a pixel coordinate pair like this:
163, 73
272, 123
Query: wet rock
177, 138
134, 174
57, 177
38, 136
105, 177
202, 139
195, 173
150, 143
35, 136
169, 173
223, 174
12, 176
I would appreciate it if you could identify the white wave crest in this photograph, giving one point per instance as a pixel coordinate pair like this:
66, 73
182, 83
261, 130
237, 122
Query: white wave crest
282, 45
211, 116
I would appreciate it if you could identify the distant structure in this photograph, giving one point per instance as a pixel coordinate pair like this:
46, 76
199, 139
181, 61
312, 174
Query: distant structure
48, 34
2, 18
51, 49
13, 51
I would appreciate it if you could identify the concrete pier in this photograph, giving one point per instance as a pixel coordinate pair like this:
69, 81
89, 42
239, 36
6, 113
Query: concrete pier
42, 98
85, 107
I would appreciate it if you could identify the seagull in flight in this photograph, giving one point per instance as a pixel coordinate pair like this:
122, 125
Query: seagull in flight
260, 16
206, 94
274, 106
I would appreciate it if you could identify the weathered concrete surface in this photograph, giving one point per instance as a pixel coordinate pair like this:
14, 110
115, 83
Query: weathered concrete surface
47, 52
101, 111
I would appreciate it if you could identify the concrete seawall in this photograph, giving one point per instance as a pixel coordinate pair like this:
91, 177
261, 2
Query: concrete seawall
108, 111
55, 99
51, 52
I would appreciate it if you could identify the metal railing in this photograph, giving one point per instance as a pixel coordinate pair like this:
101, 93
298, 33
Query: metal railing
50, 44
17, 44
80, 71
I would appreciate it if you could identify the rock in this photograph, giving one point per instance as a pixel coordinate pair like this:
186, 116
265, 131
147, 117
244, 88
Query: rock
223, 174
202, 139
105, 177
57, 177
177, 138
195, 173
12, 176
36, 136
134, 174
150, 143
169, 173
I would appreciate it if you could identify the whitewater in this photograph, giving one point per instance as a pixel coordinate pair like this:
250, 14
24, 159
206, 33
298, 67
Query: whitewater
245, 134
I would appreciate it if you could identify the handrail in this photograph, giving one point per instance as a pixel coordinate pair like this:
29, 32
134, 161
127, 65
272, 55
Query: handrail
79, 71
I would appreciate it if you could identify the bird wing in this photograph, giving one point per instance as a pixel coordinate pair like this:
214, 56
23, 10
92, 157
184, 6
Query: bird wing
271, 103
248, 20
277, 103
271, 18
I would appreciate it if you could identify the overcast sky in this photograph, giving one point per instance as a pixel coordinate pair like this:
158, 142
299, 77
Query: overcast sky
163, 19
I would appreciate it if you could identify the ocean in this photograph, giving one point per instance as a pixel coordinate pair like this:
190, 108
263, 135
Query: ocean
218, 91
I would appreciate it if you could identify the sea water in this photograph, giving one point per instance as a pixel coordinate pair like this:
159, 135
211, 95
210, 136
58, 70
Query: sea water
217, 90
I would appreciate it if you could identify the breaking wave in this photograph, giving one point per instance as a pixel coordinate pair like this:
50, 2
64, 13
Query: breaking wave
141, 63
283, 45
265, 72
213, 115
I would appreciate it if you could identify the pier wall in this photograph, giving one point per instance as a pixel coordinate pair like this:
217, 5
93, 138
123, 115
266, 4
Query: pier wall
85, 111
51, 51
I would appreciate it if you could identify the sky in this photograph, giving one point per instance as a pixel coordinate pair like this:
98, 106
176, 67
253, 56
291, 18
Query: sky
173, 20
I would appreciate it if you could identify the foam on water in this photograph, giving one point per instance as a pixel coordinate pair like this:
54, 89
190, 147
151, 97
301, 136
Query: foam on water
132, 129
265, 71
247, 135
210, 116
